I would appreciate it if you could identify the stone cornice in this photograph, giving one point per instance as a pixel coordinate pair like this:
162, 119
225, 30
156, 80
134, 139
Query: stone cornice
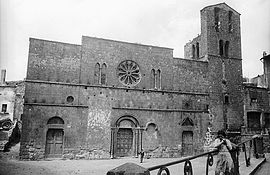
162, 110
57, 105
122, 88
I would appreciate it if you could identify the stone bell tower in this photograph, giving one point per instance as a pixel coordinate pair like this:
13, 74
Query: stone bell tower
221, 46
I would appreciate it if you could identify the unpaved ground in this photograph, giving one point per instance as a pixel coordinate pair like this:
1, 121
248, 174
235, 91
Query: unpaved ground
85, 167
10, 165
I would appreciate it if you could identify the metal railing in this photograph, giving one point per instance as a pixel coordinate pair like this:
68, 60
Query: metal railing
246, 147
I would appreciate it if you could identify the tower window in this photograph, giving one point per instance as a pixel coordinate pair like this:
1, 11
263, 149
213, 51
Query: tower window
4, 108
193, 51
230, 21
226, 99
227, 48
221, 47
217, 21
197, 50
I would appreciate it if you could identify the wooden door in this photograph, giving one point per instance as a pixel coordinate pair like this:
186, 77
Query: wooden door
124, 142
54, 142
187, 143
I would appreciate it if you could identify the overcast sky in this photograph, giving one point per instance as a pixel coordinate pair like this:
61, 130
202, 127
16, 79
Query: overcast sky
167, 23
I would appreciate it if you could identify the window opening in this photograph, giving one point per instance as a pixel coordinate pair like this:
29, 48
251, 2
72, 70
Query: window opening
253, 120
4, 108
227, 48
97, 74
221, 47
152, 79
103, 74
197, 50
193, 51
230, 21
226, 99
129, 73
70, 99
158, 84
217, 21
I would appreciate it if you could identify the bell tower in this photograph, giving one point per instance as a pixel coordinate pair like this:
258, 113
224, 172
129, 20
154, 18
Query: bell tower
221, 46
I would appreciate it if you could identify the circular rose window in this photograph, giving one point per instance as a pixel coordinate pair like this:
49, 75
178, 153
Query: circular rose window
129, 73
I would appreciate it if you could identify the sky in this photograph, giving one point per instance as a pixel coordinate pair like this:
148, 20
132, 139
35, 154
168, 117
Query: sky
166, 23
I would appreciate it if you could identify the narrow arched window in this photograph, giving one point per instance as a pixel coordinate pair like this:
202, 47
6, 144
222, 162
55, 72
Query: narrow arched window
217, 21
227, 48
230, 21
97, 74
152, 79
197, 50
193, 51
158, 79
221, 47
103, 74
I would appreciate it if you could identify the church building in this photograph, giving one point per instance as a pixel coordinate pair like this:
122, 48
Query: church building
108, 99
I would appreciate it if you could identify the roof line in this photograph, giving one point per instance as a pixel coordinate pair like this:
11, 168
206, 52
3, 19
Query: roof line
220, 4
127, 42
53, 41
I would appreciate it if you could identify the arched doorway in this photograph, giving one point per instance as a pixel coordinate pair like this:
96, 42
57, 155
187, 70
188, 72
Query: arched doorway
187, 137
187, 142
127, 136
54, 137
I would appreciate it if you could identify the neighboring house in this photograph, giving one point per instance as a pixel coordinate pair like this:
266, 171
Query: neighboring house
11, 106
107, 98
257, 104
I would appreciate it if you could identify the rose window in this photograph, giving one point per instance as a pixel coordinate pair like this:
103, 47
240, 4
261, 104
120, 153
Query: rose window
129, 73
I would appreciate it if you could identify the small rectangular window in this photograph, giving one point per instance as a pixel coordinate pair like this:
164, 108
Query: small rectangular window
4, 108
226, 99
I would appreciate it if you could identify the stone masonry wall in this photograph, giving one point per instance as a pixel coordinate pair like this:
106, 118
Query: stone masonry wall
53, 61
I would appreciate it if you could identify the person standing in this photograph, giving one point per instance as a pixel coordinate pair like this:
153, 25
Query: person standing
141, 156
224, 164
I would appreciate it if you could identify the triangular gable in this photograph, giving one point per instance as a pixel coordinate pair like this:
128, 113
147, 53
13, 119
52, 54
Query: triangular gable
187, 122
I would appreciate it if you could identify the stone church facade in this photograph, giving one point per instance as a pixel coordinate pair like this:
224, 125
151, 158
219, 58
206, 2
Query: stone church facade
106, 98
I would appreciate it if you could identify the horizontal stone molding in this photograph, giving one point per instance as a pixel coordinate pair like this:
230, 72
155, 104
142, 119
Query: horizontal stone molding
162, 110
121, 88
57, 105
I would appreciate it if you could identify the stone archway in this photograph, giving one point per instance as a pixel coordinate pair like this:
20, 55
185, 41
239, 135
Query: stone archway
126, 137
54, 137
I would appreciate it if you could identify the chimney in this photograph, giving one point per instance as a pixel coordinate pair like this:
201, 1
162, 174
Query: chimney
3, 77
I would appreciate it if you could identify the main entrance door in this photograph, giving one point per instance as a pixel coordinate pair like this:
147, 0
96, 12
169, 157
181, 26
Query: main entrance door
124, 142
187, 143
54, 142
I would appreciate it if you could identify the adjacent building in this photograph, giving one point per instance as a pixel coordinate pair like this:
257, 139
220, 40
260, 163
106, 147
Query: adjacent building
11, 106
257, 104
